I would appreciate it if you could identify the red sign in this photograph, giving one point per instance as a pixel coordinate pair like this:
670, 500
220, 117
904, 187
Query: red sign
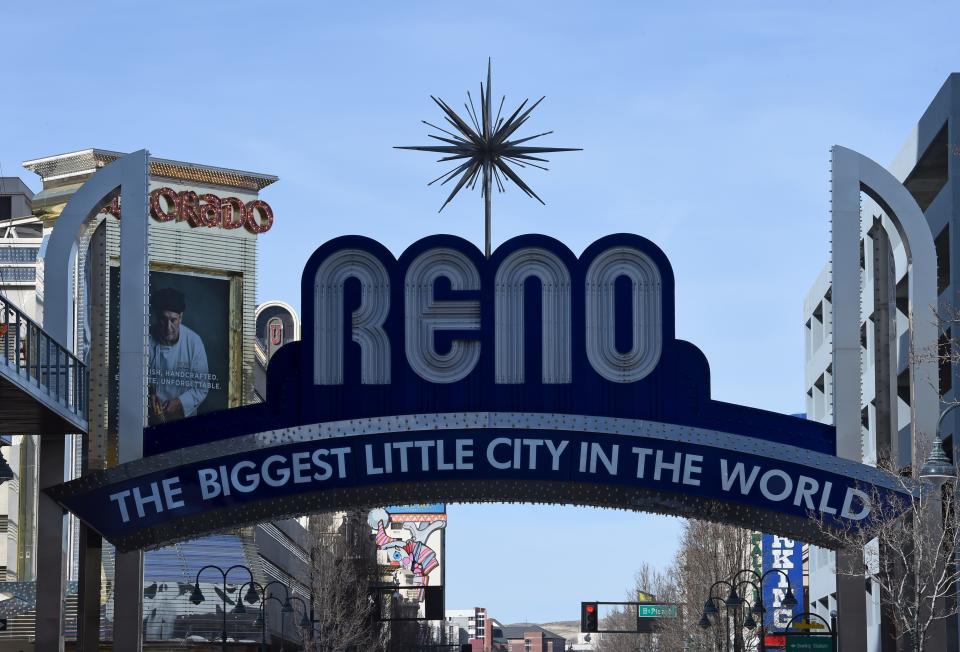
275, 331
167, 205
775, 640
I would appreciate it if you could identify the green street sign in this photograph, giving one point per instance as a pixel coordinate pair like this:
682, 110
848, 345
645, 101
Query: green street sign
809, 643
657, 611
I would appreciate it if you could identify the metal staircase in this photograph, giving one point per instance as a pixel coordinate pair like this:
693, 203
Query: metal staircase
43, 387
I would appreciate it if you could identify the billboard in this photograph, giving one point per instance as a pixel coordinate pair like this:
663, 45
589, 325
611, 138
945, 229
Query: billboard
435, 508
786, 556
188, 345
410, 546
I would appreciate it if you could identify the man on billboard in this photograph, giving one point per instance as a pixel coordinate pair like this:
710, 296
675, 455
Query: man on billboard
179, 375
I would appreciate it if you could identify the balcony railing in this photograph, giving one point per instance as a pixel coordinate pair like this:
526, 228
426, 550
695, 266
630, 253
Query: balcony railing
35, 359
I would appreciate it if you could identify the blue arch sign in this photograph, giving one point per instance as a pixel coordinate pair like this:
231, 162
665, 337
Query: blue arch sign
534, 376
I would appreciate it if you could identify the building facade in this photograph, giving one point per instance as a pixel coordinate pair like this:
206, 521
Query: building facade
469, 626
527, 637
21, 236
204, 224
929, 167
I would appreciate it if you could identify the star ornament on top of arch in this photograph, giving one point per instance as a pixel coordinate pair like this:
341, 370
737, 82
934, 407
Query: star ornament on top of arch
483, 150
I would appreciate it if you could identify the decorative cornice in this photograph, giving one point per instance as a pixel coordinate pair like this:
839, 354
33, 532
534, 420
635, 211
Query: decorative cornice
88, 161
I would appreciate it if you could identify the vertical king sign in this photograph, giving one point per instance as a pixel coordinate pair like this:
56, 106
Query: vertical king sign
783, 556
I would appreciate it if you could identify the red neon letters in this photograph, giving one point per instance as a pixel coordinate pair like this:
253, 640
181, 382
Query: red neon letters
208, 210
167, 205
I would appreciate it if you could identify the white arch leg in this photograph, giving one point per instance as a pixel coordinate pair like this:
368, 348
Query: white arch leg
129, 176
853, 173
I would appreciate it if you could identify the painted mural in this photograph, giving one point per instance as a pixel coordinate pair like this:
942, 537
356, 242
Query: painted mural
410, 545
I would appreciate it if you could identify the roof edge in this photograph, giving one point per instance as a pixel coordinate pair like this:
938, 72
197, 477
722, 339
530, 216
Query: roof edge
80, 162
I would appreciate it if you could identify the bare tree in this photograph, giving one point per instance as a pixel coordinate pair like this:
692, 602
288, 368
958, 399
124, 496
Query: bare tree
408, 636
664, 586
708, 552
908, 540
343, 570
624, 620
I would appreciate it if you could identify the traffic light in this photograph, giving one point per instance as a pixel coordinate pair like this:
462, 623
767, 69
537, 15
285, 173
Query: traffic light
589, 617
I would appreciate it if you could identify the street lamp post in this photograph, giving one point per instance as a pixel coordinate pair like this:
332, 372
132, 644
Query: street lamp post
305, 621
709, 609
252, 598
756, 609
938, 466
938, 469
285, 607
733, 602
197, 596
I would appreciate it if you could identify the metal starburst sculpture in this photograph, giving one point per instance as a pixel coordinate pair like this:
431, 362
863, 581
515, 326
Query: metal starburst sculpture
483, 150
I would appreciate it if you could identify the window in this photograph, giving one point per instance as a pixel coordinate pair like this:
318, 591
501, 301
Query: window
6, 207
946, 363
903, 295
929, 175
18, 274
816, 327
903, 386
942, 246
18, 254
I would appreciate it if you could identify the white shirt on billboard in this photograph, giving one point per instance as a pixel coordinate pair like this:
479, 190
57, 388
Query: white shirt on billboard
180, 370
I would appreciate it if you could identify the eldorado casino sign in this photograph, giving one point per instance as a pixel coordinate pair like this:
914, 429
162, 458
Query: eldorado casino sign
534, 376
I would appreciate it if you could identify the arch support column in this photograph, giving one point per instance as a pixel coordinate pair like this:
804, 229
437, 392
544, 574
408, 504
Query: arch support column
851, 174
128, 178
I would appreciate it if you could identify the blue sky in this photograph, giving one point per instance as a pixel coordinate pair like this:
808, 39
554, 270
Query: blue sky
706, 128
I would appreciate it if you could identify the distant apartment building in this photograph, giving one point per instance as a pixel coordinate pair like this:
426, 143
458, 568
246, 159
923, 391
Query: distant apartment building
470, 626
21, 234
482, 633
461, 624
527, 637
21, 237
929, 166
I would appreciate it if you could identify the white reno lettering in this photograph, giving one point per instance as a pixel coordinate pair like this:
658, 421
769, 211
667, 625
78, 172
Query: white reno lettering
425, 315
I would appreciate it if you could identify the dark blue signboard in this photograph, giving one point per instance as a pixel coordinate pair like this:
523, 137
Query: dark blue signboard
784, 556
533, 329
608, 468
536, 375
